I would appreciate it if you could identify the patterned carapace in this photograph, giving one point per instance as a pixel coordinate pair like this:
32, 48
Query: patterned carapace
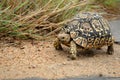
89, 30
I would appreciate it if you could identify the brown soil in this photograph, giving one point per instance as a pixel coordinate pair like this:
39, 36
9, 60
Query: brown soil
21, 59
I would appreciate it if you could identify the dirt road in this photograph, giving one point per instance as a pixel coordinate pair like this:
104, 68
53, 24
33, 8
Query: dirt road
40, 59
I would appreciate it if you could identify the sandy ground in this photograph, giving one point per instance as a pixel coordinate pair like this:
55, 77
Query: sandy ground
39, 59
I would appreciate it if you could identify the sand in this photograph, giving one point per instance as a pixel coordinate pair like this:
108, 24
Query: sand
24, 59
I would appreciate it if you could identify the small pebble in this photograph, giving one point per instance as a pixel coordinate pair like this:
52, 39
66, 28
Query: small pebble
39, 50
55, 55
100, 75
114, 72
31, 67
47, 46
22, 47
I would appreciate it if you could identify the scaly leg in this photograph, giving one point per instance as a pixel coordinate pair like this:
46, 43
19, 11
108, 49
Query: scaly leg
73, 50
57, 44
110, 50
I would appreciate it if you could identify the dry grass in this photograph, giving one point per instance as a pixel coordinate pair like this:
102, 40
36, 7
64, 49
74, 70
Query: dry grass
37, 18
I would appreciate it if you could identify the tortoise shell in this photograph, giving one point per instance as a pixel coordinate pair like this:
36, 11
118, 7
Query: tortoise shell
89, 30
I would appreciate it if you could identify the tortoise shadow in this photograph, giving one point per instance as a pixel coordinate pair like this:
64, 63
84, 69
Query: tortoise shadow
92, 53
84, 53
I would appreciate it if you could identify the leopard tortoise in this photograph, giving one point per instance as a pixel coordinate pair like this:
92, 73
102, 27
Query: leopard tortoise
86, 31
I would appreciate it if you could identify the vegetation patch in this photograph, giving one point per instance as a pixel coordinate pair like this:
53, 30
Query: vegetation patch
39, 18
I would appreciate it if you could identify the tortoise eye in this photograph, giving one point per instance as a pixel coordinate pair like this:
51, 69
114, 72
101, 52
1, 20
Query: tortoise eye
65, 25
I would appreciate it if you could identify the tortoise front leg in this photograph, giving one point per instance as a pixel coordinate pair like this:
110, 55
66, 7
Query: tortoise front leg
73, 50
110, 49
57, 44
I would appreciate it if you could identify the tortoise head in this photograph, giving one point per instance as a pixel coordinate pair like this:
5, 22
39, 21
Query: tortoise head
64, 35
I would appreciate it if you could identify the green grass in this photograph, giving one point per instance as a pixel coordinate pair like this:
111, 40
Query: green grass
112, 3
109, 3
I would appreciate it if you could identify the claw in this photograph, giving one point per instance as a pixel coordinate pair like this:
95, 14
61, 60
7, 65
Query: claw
73, 57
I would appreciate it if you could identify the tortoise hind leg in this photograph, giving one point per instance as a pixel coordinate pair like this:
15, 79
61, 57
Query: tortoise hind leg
110, 50
57, 44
